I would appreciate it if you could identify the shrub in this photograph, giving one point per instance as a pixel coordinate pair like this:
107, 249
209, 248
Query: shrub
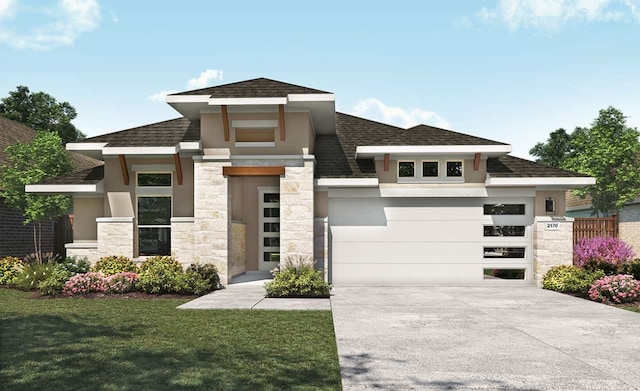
54, 283
607, 254
633, 268
84, 283
121, 282
621, 288
114, 265
44, 258
208, 272
569, 278
76, 265
296, 277
192, 283
10, 268
160, 275
32, 275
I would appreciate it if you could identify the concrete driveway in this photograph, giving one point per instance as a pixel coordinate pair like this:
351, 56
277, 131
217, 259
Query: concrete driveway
442, 338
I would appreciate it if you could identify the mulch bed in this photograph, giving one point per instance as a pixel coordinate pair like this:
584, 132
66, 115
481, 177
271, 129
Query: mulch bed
130, 295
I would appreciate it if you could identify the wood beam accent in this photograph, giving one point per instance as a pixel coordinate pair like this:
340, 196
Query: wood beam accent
252, 170
476, 162
386, 162
125, 170
225, 122
176, 162
281, 122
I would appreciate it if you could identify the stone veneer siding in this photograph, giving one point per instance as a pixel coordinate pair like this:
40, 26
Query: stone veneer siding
296, 211
551, 248
321, 244
182, 239
87, 250
212, 223
115, 236
629, 226
237, 264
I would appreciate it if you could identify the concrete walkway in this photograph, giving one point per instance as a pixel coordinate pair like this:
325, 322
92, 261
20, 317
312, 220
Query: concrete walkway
251, 296
443, 338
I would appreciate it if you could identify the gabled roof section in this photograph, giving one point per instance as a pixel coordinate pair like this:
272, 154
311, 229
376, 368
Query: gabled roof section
514, 167
83, 177
335, 154
160, 134
254, 88
430, 135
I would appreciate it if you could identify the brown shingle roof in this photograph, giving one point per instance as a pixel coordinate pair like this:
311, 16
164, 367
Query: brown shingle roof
514, 167
160, 134
254, 88
12, 132
430, 135
86, 176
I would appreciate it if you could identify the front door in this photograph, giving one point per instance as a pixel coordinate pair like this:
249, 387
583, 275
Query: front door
268, 227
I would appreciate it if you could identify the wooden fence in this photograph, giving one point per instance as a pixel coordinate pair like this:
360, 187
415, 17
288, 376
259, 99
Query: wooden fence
594, 227
63, 233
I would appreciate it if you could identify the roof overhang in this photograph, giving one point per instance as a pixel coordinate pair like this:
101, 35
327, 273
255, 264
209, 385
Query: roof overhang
379, 150
55, 188
564, 182
347, 182
99, 150
93, 150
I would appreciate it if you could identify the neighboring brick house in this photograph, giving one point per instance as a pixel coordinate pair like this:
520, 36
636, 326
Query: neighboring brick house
260, 169
16, 238
628, 217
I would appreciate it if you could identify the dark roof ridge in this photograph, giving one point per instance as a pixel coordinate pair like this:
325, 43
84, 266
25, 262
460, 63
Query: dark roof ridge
417, 127
196, 91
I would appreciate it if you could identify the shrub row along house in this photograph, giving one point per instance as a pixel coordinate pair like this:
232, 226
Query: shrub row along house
258, 170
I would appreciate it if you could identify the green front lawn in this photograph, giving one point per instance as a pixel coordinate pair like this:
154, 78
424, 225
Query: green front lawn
147, 344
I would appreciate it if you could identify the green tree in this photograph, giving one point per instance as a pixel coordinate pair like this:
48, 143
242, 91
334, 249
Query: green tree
609, 151
555, 150
41, 111
32, 162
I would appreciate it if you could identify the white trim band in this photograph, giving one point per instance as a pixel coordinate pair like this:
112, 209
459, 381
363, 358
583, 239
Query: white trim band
347, 182
140, 150
246, 101
541, 181
250, 123
432, 149
122, 219
65, 188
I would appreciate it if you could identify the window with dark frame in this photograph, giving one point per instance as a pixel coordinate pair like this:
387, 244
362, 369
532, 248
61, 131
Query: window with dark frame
406, 169
550, 205
503, 252
503, 230
430, 169
454, 169
504, 209
154, 214
504, 274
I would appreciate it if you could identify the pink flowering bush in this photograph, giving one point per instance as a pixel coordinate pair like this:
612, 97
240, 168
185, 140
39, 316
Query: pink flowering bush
621, 288
84, 283
121, 282
608, 254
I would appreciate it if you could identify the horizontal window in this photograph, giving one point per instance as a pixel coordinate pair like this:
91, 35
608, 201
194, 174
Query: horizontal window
154, 241
271, 212
504, 230
503, 209
503, 274
154, 210
154, 179
430, 169
271, 242
504, 252
271, 227
271, 257
271, 197
406, 169
255, 135
454, 169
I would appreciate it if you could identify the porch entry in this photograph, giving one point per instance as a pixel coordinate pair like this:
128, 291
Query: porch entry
268, 228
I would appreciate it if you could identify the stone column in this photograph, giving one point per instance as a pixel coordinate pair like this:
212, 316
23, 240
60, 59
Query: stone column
296, 211
552, 244
182, 240
212, 221
115, 236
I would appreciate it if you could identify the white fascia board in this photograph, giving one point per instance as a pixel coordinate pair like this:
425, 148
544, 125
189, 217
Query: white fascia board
419, 191
187, 98
62, 188
190, 145
140, 150
347, 182
541, 181
248, 123
85, 146
311, 97
246, 101
432, 149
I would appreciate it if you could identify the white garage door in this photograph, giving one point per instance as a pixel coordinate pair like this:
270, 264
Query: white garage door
430, 241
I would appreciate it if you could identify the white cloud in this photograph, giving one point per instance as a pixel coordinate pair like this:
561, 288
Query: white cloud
201, 81
204, 79
160, 96
405, 118
59, 24
550, 15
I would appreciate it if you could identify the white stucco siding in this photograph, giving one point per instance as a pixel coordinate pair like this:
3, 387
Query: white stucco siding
438, 241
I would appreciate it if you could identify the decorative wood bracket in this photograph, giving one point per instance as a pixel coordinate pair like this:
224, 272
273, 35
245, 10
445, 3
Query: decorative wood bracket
225, 122
476, 162
252, 170
281, 122
176, 162
125, 170
386, 162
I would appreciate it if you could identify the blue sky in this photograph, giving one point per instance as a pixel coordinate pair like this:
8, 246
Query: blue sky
501, 69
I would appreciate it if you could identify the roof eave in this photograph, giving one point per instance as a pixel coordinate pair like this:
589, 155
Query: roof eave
69, 188
559, 182
363, 152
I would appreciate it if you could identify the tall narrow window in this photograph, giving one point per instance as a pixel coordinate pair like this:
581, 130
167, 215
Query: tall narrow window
550, 205
154, 210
